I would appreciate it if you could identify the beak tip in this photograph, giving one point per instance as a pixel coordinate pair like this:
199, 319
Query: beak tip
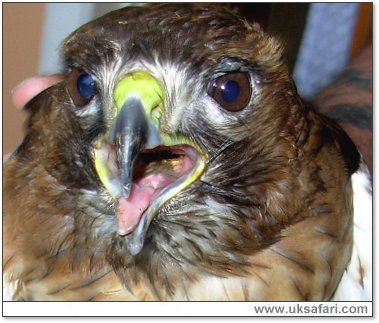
126, 188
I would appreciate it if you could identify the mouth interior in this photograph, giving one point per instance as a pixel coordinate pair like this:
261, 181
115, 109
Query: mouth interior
156, 172
161, 159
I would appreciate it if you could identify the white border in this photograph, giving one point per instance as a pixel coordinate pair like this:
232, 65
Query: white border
186, 309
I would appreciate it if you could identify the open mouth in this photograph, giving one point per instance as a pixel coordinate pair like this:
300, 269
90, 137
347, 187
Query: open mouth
158, 175
140, 165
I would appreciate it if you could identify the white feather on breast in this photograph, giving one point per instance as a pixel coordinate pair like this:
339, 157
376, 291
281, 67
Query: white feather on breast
356, 283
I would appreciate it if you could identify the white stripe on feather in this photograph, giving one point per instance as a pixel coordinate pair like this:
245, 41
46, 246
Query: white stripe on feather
9, 289
356, 283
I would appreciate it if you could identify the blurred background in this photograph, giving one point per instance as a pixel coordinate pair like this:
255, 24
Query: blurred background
320, 39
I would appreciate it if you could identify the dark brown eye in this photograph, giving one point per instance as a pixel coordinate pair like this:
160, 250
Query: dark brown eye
81, 86
232, 91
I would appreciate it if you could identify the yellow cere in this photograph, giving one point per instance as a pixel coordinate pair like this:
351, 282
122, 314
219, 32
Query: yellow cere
144, 86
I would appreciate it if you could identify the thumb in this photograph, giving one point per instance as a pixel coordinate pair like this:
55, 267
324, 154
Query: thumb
32, 86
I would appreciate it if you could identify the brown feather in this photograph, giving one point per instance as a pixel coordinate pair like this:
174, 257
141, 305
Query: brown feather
270, 219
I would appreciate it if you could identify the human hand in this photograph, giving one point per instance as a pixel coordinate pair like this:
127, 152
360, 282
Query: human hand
32, 86
28, 89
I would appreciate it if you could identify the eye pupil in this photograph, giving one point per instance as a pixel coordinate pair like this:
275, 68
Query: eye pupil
86, 86
81, 86
231, 91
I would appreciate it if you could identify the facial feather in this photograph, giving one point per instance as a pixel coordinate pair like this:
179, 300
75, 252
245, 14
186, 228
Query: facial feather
274, 169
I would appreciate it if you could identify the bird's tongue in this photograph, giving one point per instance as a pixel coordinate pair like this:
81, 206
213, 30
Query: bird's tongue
130, 209
144, 190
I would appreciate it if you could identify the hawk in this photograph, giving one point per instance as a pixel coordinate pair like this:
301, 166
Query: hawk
176, 161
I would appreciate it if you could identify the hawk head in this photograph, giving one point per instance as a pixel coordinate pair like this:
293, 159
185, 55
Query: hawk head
177, 148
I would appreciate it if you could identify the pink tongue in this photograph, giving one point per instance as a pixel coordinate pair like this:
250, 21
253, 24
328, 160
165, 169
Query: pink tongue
130, 210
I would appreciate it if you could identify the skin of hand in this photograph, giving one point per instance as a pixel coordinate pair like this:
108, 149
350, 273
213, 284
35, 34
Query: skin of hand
30, 87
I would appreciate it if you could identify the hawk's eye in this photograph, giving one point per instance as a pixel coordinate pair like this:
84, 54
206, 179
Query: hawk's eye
232, 91
81, 86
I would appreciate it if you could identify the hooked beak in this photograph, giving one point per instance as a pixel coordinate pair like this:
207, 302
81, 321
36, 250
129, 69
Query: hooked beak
141, 167
131, 133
